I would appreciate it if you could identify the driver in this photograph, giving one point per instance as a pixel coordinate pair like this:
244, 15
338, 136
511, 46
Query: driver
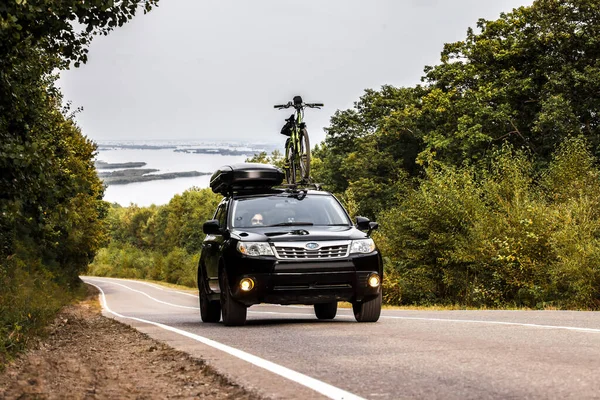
257, 220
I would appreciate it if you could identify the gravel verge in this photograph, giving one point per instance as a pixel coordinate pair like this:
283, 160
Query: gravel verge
88, 356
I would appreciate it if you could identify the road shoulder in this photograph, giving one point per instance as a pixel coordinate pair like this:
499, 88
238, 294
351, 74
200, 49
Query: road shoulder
89, 356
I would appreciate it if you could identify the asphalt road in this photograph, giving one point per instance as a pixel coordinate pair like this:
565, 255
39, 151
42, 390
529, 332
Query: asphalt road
285, 352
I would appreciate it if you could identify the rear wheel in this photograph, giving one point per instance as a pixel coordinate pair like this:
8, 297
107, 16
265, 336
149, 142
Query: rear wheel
367, 311
304, 157
210, 310
234, 313
326, 310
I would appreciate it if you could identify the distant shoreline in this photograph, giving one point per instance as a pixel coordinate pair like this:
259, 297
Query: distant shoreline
135, 178
105, 165
135, 147
130, 172
223, 152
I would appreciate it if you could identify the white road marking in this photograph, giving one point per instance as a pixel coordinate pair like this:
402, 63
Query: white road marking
473, 321
147, 295
325, 389
149, 284
165, 289
469, 321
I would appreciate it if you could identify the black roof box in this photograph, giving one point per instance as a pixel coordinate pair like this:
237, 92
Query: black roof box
245, 176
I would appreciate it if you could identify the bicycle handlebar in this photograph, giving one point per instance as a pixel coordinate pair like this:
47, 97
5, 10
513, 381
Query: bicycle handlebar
290, 104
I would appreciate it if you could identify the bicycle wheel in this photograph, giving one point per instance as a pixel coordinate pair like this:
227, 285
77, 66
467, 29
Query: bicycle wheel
304, 158
290, 163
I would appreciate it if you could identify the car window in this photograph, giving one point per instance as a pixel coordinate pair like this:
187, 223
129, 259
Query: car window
221, 215
284, 209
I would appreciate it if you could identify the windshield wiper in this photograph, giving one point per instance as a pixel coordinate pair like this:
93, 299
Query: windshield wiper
294, 232
293, 224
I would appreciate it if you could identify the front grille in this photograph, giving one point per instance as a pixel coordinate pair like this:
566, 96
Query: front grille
297, 251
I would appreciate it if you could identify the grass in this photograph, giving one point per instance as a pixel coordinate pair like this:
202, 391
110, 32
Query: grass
28, 308
434, 307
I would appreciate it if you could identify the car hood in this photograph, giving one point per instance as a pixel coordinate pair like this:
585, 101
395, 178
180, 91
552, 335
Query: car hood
297, 233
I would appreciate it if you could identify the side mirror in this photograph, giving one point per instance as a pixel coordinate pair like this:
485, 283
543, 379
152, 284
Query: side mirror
362, 223
372, 227
211, 227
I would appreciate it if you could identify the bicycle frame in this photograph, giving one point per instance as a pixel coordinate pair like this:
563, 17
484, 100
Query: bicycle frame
294, 142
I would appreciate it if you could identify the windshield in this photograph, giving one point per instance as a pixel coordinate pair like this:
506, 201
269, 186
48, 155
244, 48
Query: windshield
286, 210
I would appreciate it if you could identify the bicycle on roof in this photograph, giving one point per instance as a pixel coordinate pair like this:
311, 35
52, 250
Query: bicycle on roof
297, 146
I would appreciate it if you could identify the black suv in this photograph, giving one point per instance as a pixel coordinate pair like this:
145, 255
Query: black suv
285, 245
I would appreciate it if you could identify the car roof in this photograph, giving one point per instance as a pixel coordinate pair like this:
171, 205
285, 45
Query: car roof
278, 192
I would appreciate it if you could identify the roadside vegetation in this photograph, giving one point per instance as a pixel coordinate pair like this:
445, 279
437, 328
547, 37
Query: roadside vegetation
51, 206
158, 242
484, 178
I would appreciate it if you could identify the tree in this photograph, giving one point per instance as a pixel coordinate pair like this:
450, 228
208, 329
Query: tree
530, 78
51, 208
37, 37
276, 158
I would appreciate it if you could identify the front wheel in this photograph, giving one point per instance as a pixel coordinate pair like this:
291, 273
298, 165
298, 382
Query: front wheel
234, 313
367, 311
210, 310
326, 310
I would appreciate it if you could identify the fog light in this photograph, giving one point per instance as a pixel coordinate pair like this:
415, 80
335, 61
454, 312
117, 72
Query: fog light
246, 284
374, 280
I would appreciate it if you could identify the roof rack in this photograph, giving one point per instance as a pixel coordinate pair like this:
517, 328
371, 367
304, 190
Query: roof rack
301, 186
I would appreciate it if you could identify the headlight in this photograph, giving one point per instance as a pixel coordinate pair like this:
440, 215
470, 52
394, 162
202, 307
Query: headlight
362, 246
255, 248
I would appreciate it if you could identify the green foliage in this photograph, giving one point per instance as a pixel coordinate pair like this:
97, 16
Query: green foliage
276, 158
483, 194
529, 78
500, 235
160, 243
51, 206
29, 300
126, 261
62, 28
364, 133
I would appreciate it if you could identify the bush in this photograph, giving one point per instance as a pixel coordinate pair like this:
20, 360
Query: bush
500, 235
158, 243
126, 261
29, 300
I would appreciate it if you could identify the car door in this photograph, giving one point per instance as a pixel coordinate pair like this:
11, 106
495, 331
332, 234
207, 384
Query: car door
213, 245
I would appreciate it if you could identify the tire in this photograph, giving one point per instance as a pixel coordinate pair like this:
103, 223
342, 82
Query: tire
304, 157
367, 311
234, 313
290, 171
326, 310
210, 310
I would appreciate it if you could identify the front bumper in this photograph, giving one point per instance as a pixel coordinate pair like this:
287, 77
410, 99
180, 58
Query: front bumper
305, 282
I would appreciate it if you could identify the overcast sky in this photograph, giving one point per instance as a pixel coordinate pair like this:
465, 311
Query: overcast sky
212, 70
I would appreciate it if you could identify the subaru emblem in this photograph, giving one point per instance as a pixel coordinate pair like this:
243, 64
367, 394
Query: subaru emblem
312, 246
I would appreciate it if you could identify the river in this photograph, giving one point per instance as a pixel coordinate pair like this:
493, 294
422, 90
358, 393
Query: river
165, 160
